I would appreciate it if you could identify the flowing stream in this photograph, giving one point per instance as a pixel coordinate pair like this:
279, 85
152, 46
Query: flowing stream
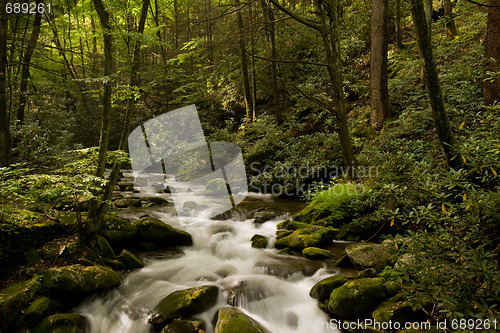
270, 287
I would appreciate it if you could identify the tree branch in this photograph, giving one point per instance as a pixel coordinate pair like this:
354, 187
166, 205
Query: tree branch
299, 18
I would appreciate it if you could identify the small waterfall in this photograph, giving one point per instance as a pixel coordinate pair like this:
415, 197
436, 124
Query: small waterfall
270, 287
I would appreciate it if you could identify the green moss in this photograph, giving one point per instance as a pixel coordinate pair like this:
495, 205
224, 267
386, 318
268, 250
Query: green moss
306, 237
14, 299
322, 289
232, 320
130, 260
62, 323
316, 253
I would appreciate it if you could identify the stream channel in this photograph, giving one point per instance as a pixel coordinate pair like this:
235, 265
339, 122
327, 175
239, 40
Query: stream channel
270, 287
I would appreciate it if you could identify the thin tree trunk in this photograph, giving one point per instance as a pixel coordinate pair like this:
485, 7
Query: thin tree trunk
25, 72
491, 86
379, 91
252, 61
399, 41
441, 121
450, 22
5, 144
247, 94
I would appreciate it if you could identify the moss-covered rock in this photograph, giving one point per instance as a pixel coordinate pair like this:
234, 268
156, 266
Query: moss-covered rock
38, 309
14, 299
184, 326
155, 201
184, 303
130, 260
362, 228
316, 253
62, 323
261, 217
306, 237
128, 202
367, 255
233, 320
356, 298
118, 231
259, 242
70, 282
294, 225
322, 289
216, 188
126, 186
106, 249
397, 309
153, 230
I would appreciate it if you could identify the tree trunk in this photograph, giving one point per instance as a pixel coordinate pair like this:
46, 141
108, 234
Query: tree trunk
491, 85
428, 15
450, 23
247, 94
25, 72
441, 122
379, 91
399, 41
5, 144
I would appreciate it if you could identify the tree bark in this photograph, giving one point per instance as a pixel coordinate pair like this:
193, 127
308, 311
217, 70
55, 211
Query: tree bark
5, 143
247, 94
25, 72
451, 28
379, 91
491, 85
399, 41
441, 121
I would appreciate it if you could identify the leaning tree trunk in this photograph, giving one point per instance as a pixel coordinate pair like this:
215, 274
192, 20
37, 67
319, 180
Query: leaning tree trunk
451, 28
441, 121
5, 143
25, 72
491, 85
379, 91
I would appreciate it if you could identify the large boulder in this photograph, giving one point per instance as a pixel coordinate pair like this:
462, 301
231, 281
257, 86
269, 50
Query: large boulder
184, 326
128, 202
316, 253
38, 309
130, 260
70, 282
356, 298
14, 299
368, 255
184, 303
259, 242
301, 238
118, 231
322, 289
233, 320
397, 309
62, 323
153, 230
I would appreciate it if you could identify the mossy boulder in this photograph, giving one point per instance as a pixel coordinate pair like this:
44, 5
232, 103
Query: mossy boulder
335, 206
38, 309
128, 202
70, 282
294, 225
367, 255
126, 186
130, 260
62, 323
14, 299
156, 231
261, 217
397, 309
106, 249
259, 242
184, 303
306, 237
216, 188
322, 289
184, 326
118, 231
155, 201
316, 253
362, 228
233, 320
356, 298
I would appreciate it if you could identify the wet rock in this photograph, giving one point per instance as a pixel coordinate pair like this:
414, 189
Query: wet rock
248, 291
184, 303
118, 231
185, 326
170, 189
283, 233
367, 273
282, 225
190, 205
153, 230
62, 322
397, 309
130, 260
287, 267
155, 201
356, 298
261, 217
322, 289
128, 202
343, 262
14, 299
70, 282
126, 186
306, 237
106, 249
316, 253
367, 255
233, 320
38, 309
259, 242
216, 188
294, 225
220, 228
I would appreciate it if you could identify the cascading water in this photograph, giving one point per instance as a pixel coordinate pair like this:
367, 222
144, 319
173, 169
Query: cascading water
270, 287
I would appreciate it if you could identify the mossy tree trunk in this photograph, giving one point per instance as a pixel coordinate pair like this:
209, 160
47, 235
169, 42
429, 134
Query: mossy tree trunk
5, 144
379, 92
441, 121
491, 86
451, 28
